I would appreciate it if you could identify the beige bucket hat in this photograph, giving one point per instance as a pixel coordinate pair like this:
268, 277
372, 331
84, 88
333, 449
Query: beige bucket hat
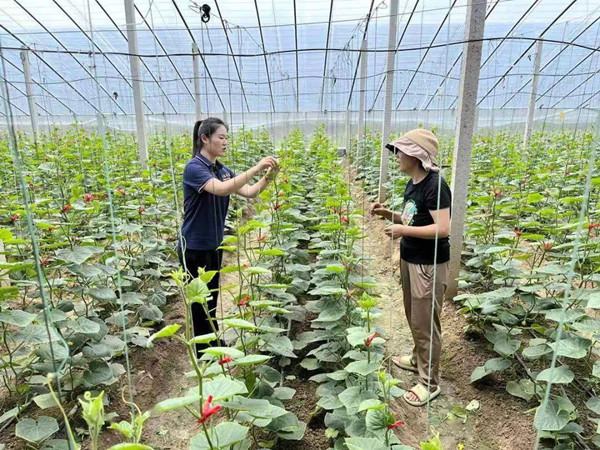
419, 143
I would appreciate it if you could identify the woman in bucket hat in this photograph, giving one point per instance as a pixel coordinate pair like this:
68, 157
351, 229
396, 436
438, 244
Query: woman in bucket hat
425, 217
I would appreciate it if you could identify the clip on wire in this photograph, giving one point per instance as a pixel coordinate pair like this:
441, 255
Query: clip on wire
205, 13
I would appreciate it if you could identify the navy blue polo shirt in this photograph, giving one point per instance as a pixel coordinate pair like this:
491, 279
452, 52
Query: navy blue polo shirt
203, 213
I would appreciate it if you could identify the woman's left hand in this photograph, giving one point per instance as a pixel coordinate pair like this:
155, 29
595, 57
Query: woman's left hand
394, 231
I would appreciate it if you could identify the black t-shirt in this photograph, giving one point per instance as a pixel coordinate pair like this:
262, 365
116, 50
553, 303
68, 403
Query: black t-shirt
419, 199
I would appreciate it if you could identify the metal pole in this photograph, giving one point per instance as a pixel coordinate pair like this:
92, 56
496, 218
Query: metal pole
534, 86
465, 125
389, 92
195, 54
134, 63
29, 93
361, 98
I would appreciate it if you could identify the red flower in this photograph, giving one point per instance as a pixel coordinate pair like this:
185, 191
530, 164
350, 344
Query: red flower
121, 191
88, 197
517, 232
225, 360
369, 340
66, 207
15, 217
281, 194
141, 210
592, 226
396, 424
547, 245
243, 301
497, 193
208, 409
51, 228
345, 219
262, 239
277, 206
245, 266
45, 261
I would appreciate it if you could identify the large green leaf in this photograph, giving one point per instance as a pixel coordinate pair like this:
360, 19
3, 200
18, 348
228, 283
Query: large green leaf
99, 372
550, 417
560, 375
103, 294
79, 254
223, 387
36, 431
222, 436
507, 347
17, 317
203, 338
575, 347
251, 359
353, 396
361, 443
220, 351
175, 403
594, 404
167, 331
523, 389
240, 323
363, 368
197, 291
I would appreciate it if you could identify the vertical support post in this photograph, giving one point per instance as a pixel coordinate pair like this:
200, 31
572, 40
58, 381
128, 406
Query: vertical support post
196, 64
134, 62
389, 92
465, 125
361, 98
29, 93
534, 85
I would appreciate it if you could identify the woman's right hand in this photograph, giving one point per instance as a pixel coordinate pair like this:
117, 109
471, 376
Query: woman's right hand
377, 209
268, 162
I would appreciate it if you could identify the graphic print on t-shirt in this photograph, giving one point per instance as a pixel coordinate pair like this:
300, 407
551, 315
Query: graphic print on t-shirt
408, 215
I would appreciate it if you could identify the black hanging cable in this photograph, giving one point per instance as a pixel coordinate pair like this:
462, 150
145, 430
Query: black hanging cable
200, 54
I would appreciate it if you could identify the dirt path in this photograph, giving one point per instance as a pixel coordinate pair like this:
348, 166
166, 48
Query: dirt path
500, 422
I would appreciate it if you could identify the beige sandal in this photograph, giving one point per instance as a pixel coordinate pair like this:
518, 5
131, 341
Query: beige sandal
406, 362
422, 394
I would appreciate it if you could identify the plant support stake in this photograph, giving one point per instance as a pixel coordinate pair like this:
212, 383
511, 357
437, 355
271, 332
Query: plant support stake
134, 63
465, 125
389, 92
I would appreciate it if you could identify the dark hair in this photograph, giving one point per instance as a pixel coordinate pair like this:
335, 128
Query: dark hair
206, 127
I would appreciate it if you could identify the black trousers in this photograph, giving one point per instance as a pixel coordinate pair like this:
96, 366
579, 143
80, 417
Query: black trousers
207, 260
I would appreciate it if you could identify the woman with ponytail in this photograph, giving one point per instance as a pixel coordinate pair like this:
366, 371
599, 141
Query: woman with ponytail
207, 185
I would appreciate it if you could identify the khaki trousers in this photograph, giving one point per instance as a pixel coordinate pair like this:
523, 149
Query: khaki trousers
418, 291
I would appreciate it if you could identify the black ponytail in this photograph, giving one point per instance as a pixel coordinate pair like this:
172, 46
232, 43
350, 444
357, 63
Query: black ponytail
206, 127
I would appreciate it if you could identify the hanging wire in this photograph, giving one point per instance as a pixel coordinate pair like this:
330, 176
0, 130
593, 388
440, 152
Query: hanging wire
571, 273
436, 240
108, 175
13, 144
